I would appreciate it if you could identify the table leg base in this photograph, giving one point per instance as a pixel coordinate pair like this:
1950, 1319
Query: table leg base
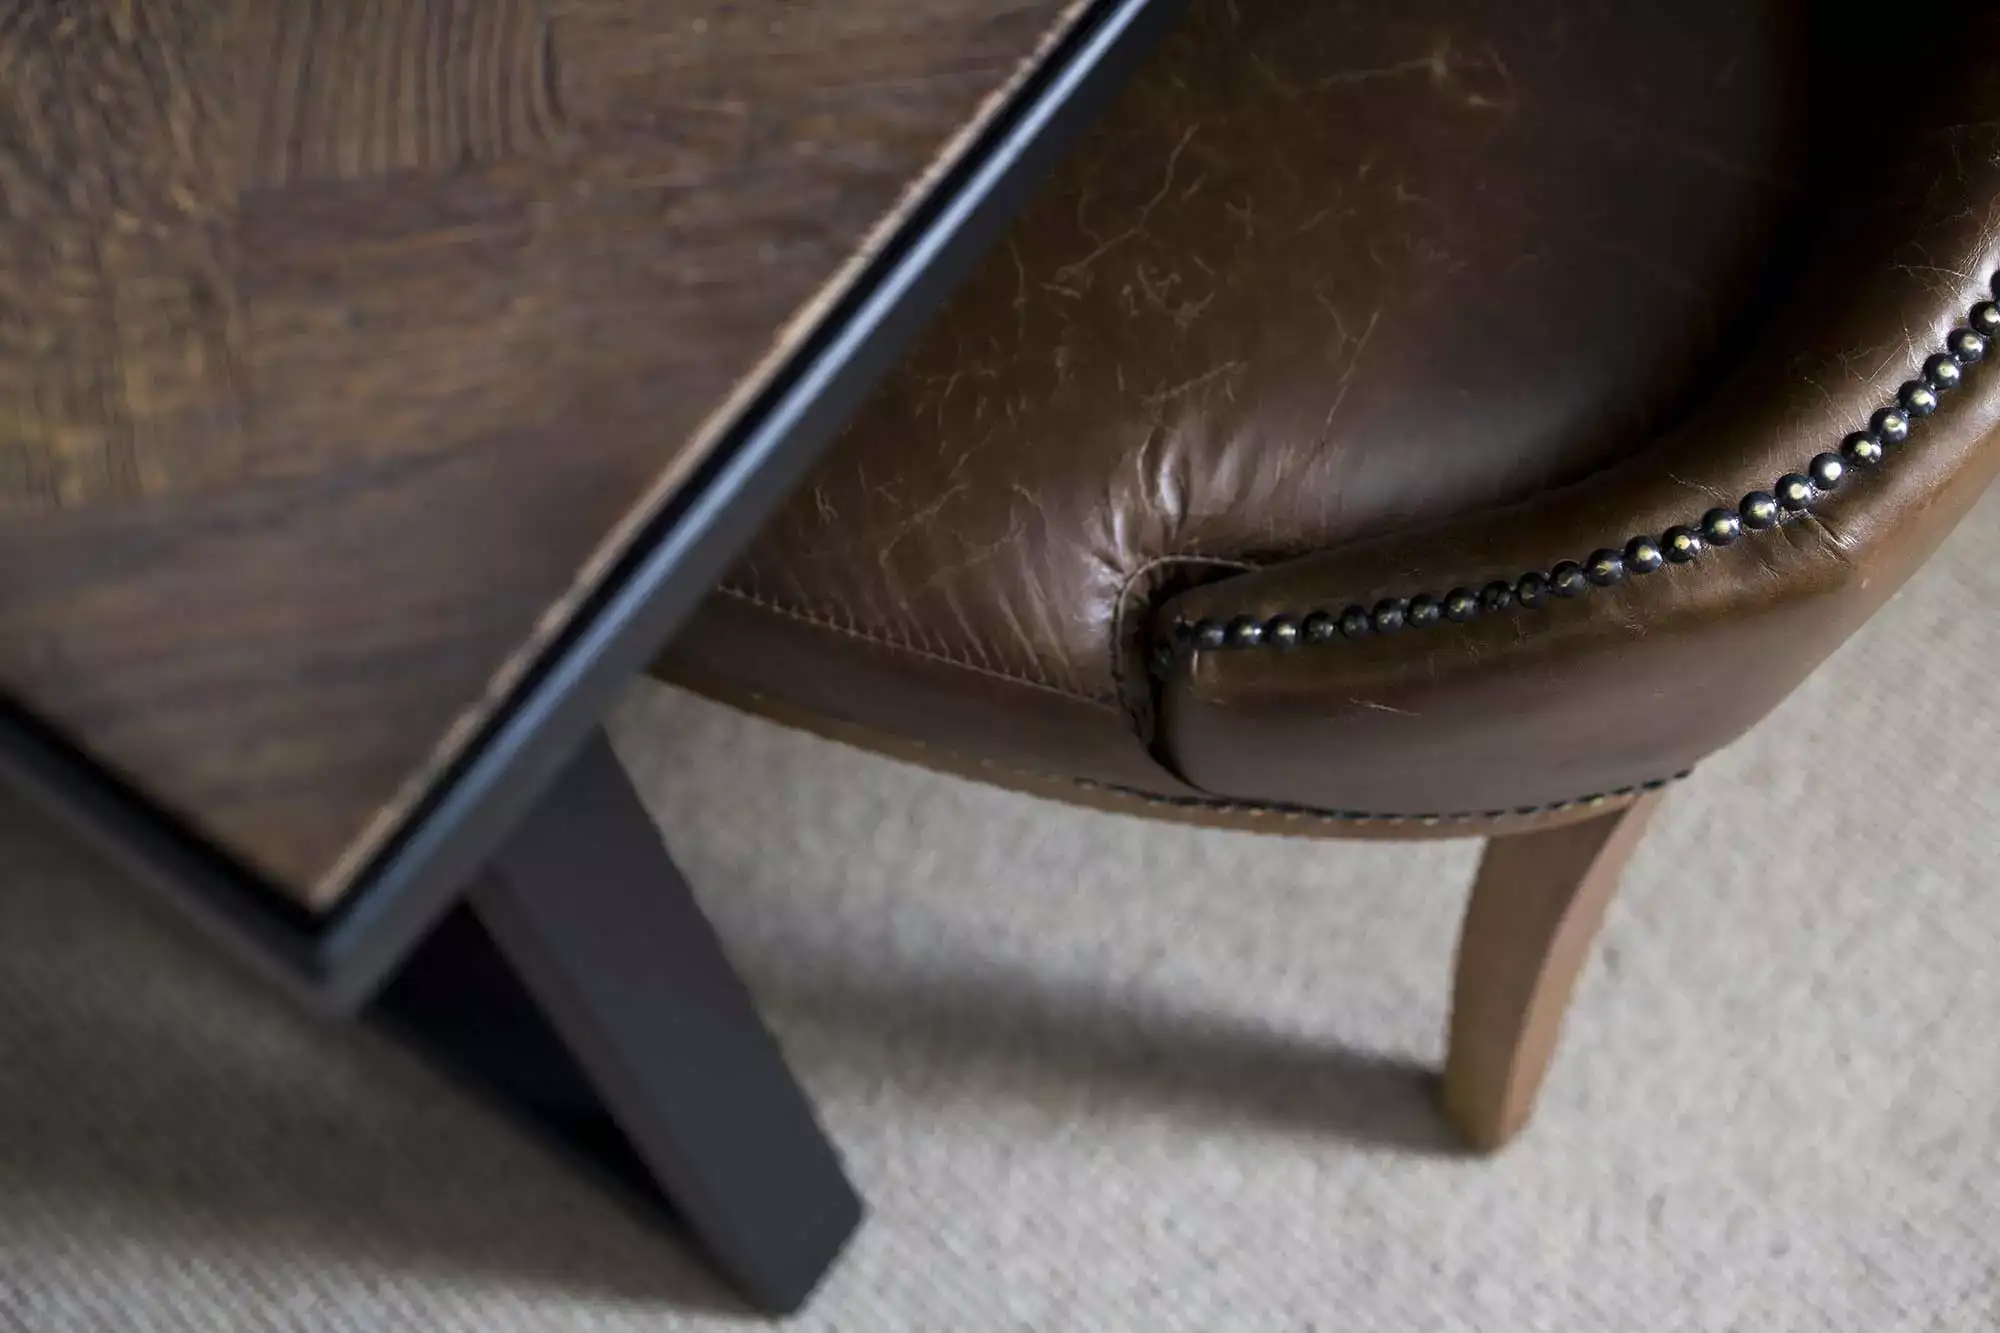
581, 982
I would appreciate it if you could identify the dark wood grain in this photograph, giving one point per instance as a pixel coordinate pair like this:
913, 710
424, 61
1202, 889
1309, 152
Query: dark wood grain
343, 344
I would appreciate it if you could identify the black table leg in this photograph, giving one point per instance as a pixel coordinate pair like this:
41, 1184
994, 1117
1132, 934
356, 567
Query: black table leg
602, 937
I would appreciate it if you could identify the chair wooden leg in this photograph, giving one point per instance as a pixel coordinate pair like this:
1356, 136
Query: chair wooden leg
1535, 909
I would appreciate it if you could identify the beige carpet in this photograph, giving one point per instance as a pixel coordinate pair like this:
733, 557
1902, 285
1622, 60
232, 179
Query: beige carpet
1099, 1074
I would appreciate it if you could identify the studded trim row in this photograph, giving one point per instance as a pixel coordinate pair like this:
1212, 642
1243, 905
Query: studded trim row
1790, 496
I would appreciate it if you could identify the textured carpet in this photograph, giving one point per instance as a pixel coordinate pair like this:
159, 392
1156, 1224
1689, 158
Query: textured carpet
1095, 1073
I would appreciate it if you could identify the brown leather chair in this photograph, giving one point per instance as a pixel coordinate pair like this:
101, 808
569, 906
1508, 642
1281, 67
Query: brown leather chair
1438, 420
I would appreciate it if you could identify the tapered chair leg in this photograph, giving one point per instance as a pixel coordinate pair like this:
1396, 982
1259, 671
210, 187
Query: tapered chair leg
1535, 909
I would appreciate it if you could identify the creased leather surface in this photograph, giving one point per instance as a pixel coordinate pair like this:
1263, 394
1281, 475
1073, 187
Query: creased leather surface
1626, 684
1323, 272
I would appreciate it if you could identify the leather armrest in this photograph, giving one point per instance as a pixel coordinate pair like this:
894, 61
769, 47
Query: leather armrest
1627, 683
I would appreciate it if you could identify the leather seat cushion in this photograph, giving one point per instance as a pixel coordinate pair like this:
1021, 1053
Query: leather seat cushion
1322, 273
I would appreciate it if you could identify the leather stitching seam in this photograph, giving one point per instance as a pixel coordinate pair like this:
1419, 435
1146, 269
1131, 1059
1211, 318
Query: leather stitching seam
853, 632
1280, 810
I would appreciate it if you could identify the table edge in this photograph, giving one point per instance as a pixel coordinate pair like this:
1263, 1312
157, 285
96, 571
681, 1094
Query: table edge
710, 435
665, 560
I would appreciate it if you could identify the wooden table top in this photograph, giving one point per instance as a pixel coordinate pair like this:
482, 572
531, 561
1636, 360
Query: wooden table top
344, 344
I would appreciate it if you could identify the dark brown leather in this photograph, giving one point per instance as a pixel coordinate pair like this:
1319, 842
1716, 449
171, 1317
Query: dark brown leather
1626, 685
1338, 302
739, 648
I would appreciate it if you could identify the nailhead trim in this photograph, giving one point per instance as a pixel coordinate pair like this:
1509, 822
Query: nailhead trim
1791, 496
1429, 820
